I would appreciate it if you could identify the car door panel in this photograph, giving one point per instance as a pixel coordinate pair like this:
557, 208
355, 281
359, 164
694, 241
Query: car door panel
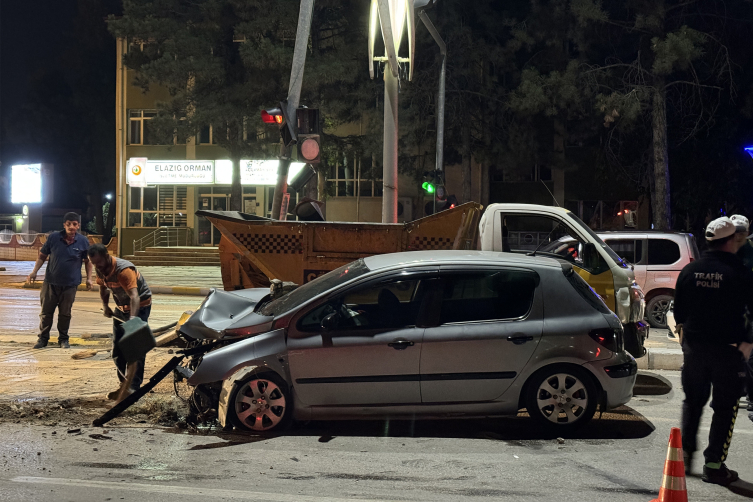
357, 369
372, 357
478, 360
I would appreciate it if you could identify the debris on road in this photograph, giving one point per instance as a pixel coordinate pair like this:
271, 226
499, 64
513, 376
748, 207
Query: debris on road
74, 431
84, 354
99, 436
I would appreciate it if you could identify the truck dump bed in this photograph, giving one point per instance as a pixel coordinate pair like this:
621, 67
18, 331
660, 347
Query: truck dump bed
254, 250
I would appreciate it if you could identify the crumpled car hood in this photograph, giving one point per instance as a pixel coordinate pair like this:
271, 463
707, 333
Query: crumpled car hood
223, 310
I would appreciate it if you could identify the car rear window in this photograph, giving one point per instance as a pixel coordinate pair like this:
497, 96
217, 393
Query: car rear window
627, 249
487, 296
585, 291
662, 252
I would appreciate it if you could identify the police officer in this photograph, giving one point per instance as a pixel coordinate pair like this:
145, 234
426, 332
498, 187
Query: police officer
745, 253
711, 298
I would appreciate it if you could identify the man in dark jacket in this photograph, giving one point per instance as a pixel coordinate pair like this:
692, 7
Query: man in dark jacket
67, 251
711, 298
132, 298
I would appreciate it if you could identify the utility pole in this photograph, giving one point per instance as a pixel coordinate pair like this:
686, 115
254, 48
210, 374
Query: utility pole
294, 97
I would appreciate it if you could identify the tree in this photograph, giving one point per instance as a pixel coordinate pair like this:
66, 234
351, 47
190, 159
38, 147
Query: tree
666, 62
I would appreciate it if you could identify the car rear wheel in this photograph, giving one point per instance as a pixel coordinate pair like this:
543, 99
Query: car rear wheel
656, 311
261, 403
561, 397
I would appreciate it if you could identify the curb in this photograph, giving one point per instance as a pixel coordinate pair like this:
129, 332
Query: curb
661, 359
160, 290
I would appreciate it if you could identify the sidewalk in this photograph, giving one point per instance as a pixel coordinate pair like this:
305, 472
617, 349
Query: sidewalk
663, 354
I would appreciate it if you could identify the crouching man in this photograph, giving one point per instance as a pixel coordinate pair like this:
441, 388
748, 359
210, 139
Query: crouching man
132, 298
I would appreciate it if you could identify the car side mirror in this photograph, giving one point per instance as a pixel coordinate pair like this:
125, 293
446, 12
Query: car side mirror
331, 321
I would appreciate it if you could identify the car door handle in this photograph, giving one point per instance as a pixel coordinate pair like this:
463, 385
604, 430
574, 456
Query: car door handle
519, 339
401, 344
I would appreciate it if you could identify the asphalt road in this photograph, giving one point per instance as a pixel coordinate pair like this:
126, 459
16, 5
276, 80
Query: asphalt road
618, 457
19, 312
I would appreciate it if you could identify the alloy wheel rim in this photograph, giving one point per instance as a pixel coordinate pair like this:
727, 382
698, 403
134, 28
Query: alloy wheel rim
260, 405
659, 312
562, 398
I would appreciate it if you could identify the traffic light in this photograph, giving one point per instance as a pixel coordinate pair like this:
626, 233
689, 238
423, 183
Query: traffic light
309, 141
279, 116
432, 182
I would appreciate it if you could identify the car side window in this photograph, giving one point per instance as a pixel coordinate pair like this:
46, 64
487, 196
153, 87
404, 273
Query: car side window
487, 296
627, 249
662, 252
385, 305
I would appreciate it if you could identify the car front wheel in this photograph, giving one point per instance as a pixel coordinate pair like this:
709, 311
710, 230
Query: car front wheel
261, 403
561, 397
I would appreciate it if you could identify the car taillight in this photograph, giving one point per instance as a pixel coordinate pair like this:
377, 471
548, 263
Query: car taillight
610, 339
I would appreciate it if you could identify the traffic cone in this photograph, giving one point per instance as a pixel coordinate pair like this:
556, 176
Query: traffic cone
673, 482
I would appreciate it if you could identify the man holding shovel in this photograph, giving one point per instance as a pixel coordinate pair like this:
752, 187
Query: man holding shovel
133, 298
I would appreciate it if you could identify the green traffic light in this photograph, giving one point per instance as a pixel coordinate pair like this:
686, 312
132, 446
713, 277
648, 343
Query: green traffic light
428, 187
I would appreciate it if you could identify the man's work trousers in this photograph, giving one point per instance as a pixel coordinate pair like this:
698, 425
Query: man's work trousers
120, 361
717, 371
56, 297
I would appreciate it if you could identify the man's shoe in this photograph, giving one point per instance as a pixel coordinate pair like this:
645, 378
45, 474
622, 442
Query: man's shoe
687, 459
64, 344
40, 344
721, 476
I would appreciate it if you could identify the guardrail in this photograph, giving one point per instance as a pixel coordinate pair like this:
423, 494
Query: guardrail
165, 237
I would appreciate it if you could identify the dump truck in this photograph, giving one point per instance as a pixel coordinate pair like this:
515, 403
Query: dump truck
254, 250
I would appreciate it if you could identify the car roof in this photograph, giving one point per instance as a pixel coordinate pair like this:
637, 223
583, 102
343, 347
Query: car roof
423, 258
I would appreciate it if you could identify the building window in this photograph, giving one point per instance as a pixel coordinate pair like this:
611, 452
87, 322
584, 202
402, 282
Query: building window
207, 136
139, 132
347, 184
163, 206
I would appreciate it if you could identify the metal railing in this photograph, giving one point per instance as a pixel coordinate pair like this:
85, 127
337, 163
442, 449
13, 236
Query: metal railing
165, 237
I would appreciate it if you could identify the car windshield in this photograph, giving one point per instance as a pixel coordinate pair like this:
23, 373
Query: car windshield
301, 295
622, 263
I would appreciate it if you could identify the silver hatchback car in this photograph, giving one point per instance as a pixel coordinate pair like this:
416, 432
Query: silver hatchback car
420, 334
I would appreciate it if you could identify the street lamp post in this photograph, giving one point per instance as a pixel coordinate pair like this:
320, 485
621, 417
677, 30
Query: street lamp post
391, 16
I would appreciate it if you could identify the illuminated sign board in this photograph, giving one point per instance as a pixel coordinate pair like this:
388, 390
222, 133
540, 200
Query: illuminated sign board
26, 184
253, 172
141, 172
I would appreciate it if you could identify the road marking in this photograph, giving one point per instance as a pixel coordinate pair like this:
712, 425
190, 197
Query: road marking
186, 490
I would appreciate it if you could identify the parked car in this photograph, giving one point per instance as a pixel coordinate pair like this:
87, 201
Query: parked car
657, 259
416, 334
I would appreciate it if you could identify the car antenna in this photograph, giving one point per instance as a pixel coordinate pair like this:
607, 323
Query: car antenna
550, 193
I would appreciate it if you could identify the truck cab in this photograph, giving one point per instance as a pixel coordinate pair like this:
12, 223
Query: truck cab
557, 233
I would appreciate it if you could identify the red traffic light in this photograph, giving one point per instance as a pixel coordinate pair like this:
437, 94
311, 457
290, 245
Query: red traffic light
309, 149
272, 116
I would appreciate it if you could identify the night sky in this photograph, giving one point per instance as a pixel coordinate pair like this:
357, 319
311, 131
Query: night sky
34, 36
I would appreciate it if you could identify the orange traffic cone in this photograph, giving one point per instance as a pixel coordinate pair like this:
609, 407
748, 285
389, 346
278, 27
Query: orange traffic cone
673, 482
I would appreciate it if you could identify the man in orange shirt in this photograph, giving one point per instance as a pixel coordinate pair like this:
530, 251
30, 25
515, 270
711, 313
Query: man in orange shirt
132, 298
